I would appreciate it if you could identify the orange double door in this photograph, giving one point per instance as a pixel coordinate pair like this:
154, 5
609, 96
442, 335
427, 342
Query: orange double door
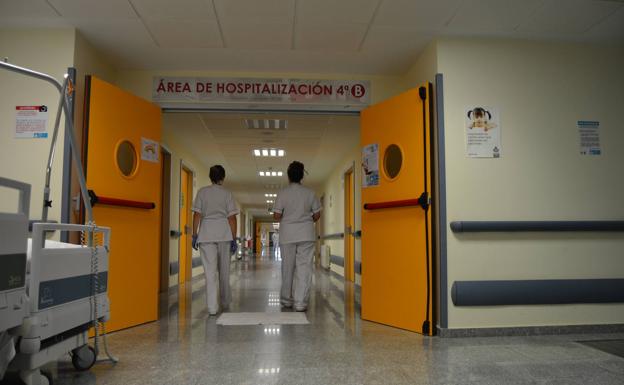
397, 253
122, 133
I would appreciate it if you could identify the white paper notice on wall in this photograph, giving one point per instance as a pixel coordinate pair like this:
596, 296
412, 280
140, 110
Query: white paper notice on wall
589, 133
370, 165
31, 121
483, 132
150, 150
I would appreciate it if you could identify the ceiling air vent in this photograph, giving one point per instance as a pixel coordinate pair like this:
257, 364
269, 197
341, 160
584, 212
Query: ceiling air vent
266, 124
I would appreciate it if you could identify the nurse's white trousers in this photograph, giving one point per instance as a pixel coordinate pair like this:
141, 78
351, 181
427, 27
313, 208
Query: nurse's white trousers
215, 257
296, 273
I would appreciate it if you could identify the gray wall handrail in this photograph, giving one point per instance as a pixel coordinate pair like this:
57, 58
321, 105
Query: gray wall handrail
521, 226
332, 236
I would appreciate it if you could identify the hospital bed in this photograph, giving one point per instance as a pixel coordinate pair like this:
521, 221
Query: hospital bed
13, 301
51, 309
57, 305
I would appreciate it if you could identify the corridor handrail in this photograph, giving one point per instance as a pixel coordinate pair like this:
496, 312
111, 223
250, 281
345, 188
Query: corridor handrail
526, 226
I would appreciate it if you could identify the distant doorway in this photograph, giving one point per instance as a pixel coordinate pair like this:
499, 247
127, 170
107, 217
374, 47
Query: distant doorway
349, 239
186, 225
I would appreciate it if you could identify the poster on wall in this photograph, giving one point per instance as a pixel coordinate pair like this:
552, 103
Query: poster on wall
370, 165
590, 136
31, 121
149, 150
482, 132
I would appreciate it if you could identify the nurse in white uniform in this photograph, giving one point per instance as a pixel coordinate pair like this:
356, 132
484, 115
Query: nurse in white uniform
214, 231
296, 208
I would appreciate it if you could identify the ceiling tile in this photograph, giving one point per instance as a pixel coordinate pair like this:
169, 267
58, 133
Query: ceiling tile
256, 35
395, 39
94, 9
493, 15
269, 11
186, 33
333, 12
335, 37
569, 16
611, 29
421, 14
26, 9
178, 9
111, 35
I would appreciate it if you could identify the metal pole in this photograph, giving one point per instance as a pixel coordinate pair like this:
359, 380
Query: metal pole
31, 73
46, 189
77, 163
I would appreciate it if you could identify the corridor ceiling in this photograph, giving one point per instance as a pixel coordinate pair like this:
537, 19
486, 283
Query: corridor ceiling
319, 141
316, 36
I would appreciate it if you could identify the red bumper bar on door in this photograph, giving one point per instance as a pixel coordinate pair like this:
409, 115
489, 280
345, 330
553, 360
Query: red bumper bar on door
392, 204
120, 202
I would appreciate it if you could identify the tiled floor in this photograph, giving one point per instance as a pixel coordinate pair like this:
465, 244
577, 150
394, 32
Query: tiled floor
187, 347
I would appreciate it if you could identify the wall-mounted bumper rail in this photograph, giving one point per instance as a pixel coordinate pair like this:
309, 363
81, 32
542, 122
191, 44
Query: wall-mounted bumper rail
332, 236
537, 292
525, 226
95, 199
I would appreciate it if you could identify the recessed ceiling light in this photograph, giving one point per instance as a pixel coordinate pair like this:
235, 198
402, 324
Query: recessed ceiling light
280, 153
265, 152
257, 152
279, 173
273, 152
273, 173
261, 173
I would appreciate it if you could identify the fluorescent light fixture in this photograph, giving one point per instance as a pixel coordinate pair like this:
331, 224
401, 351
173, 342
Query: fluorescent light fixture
265, 152
261, 173
257, 152
280, 152
279, 173
273, 152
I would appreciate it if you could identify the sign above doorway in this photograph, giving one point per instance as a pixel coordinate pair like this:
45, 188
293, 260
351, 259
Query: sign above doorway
261, 94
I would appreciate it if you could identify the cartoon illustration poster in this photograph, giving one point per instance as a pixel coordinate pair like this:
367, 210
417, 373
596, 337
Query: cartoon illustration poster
150, 150
483, 132
370, 165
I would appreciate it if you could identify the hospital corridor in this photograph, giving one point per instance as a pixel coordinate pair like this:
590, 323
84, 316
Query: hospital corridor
311, 192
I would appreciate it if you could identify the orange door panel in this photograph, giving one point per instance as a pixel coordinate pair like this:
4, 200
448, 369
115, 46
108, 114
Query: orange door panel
394, 240
114, 119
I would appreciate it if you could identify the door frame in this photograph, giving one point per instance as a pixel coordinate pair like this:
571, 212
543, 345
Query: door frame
349, 219
165, 219
188, 268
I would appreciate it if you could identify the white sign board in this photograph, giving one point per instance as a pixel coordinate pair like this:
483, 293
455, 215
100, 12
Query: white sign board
483, 131
150, 150
31, 121
259, 93
590, 137
370, 165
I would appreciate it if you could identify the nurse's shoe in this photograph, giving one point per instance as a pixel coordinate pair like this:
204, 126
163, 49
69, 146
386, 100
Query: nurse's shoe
212, 313
301, 308
286, 304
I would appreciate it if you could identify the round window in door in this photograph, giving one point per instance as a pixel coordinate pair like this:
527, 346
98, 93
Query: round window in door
126, 157
393, 161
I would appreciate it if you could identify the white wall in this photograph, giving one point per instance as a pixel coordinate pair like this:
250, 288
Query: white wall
25, 160
542, 90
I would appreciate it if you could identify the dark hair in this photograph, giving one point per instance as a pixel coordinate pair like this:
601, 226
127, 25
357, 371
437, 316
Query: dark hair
295, 172
217, 173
